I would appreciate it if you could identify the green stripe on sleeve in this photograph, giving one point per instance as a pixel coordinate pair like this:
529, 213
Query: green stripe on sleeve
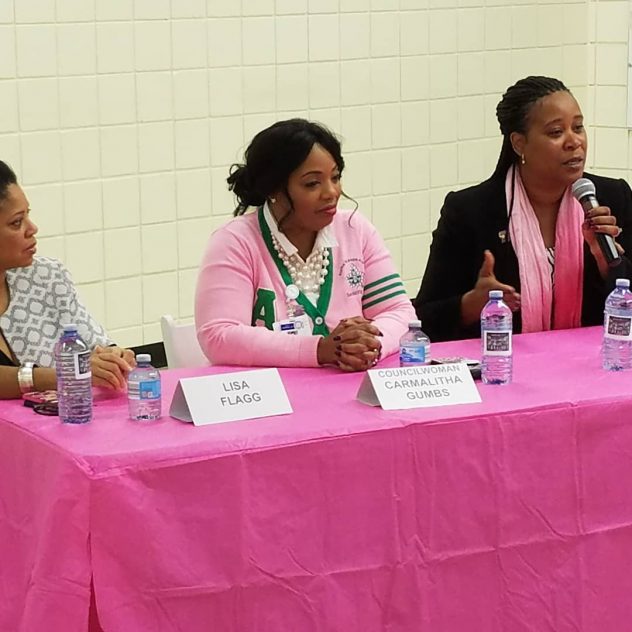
392, 286
379, 281
383, 298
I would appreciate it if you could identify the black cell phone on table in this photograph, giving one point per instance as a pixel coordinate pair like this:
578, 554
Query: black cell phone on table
473, 365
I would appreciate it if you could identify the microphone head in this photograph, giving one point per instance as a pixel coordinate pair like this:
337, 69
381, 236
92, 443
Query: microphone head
583, 187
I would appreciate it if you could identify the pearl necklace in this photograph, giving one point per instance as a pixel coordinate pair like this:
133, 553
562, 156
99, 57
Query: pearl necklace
307, 275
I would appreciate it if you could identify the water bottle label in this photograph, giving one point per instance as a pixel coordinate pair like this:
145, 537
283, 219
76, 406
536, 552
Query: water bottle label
618, 327
149, 389
497, 343
83, 369
412, 355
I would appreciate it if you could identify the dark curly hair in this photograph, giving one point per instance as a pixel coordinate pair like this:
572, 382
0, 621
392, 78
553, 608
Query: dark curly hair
513, 113
273, 154
7, 177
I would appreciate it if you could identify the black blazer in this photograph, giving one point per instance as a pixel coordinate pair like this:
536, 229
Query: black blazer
474, 220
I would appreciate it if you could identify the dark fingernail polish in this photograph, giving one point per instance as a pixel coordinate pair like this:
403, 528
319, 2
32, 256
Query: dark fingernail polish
338, 348
338, 352
336, 338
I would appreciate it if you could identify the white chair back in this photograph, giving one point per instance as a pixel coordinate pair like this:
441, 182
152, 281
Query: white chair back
181, 345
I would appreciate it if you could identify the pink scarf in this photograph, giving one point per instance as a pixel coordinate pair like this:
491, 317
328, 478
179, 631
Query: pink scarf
538, 293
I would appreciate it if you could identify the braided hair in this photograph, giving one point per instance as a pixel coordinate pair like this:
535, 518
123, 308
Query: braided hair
273, 154
513, 112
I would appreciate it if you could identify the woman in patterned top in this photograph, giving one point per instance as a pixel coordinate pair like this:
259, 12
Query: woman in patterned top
37, 297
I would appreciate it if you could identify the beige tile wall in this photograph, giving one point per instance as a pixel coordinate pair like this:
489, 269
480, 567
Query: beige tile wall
607, 95
122, 117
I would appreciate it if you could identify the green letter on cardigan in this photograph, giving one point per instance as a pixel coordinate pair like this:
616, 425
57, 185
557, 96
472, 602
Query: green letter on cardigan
264, 308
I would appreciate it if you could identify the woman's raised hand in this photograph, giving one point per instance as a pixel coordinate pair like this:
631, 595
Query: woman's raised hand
472, 302
600, 220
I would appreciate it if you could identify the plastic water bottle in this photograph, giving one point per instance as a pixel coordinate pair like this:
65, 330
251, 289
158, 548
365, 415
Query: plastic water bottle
414, 346
74, 377
143, 390
496, 331
617, 330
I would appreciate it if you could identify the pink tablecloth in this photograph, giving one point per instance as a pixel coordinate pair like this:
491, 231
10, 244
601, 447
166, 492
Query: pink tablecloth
509, 515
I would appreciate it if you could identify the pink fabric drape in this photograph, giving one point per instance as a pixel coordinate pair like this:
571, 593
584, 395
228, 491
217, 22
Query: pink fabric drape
512, 514
538, 292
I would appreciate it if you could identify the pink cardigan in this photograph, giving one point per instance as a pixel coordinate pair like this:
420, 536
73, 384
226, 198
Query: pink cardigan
240, 285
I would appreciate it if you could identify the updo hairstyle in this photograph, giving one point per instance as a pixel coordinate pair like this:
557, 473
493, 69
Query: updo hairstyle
273, 154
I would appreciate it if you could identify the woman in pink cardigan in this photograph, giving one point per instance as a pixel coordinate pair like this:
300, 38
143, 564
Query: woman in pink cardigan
297, 282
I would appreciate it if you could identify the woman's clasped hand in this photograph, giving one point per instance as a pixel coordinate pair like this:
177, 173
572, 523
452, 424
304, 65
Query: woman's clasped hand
354, 345
111, 366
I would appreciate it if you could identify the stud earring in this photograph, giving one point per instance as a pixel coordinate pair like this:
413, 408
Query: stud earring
273, 200
522, 160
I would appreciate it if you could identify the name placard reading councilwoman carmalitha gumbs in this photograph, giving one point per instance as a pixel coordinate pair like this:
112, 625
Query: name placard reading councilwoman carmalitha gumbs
419, 386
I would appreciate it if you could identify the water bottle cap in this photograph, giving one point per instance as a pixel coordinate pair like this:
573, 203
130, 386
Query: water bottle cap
143, 357
414, 324
623, 282
69, 327
495, 294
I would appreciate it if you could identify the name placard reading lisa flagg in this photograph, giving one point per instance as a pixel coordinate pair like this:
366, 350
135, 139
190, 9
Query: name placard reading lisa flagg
231, 396
419, 386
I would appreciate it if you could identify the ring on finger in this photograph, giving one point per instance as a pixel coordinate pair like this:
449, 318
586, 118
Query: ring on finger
378, 355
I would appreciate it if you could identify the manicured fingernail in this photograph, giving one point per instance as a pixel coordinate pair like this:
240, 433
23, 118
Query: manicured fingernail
336, 338
338, 352
339, 347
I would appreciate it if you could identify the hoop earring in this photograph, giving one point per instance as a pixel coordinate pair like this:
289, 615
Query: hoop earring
522, 160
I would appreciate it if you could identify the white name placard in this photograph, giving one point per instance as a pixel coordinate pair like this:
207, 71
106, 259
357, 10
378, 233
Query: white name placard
419, 386
213, 399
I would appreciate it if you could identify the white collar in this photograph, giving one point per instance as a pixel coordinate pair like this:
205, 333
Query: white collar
325, 238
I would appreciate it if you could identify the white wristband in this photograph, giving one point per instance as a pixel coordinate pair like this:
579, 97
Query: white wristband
25, 377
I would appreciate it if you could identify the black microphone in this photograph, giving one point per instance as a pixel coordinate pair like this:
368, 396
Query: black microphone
583, 191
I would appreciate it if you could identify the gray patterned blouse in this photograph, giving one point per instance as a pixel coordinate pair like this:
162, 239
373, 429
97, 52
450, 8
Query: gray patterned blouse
42, 299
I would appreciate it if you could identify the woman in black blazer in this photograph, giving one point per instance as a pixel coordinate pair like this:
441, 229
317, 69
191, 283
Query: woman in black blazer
472, 251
